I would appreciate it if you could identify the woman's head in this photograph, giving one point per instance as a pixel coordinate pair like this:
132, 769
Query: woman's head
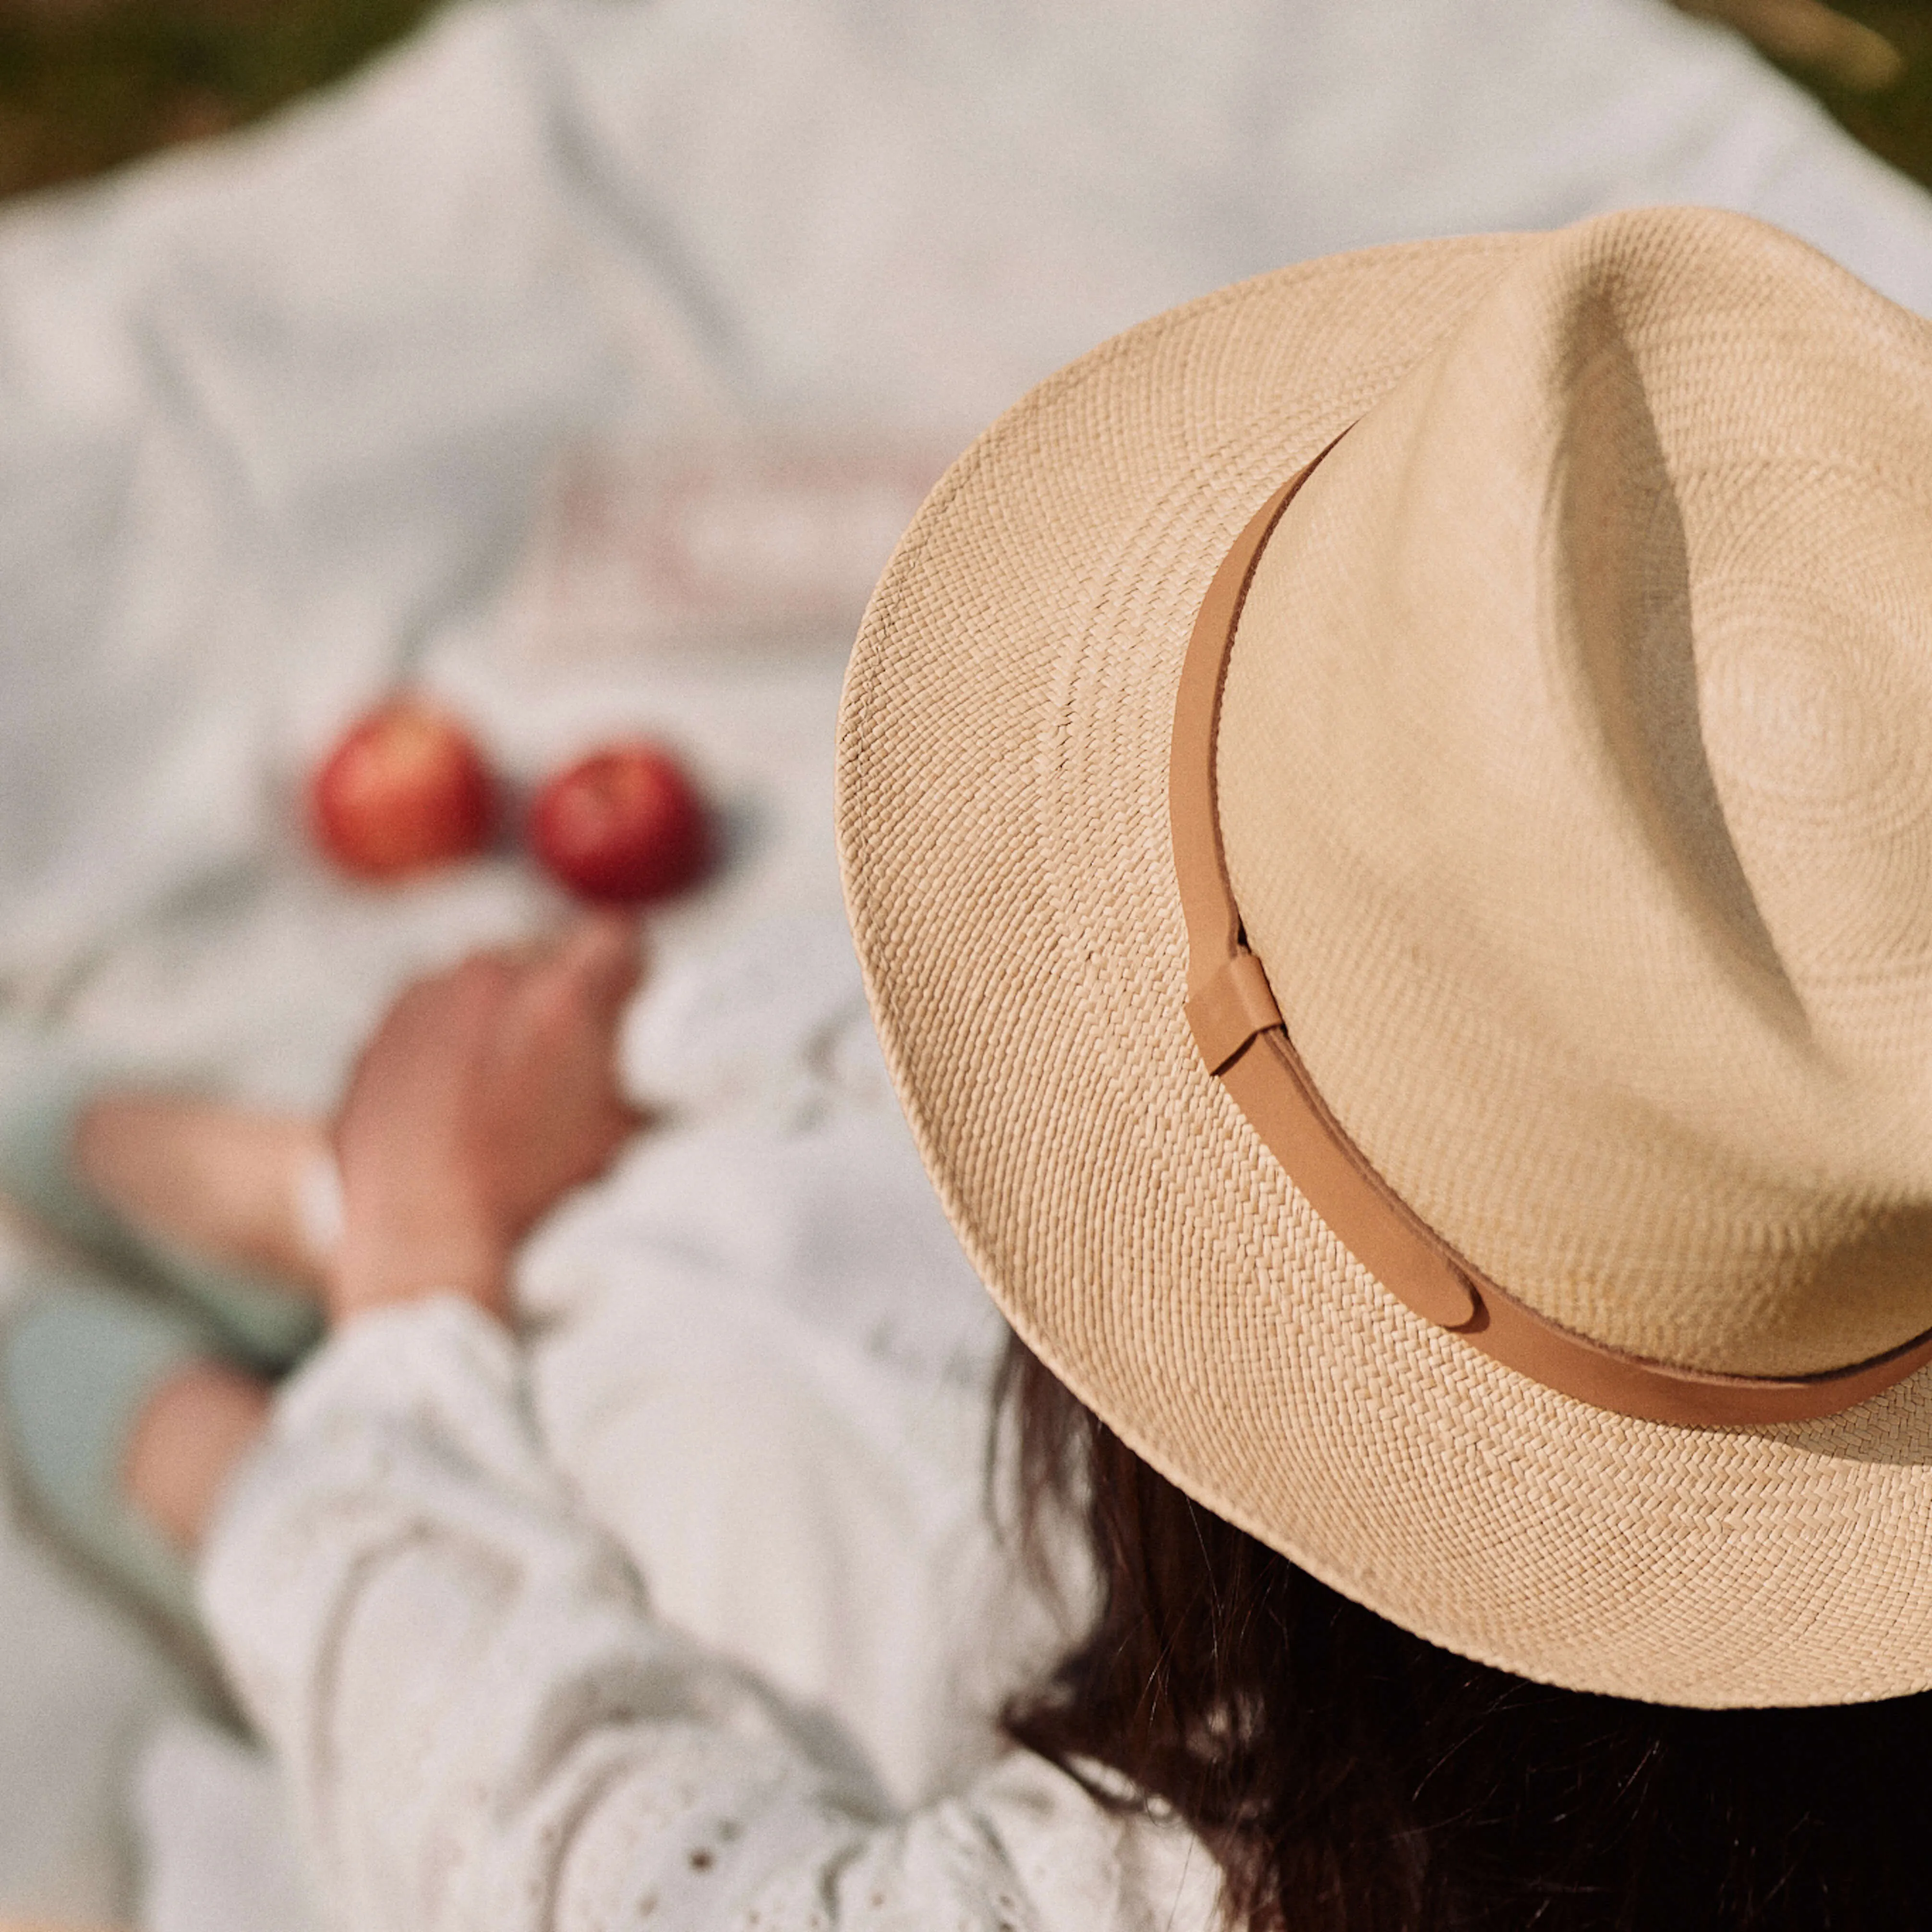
1351, 1777
1413, 992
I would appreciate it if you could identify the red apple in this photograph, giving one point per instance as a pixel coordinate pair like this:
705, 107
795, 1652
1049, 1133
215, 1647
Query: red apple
625, 824
405, 789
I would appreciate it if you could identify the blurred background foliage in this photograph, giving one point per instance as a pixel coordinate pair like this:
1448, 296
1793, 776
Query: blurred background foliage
87, 85
1870, 61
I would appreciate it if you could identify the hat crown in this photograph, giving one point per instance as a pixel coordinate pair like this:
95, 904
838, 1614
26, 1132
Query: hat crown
1575, 778
1489, 915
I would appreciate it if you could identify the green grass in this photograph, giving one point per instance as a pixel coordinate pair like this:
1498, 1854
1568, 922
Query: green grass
84, 88
87, 85
1897, 122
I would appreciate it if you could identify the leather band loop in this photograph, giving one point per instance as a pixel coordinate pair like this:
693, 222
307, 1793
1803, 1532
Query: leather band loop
1238, 1026
1234, 1005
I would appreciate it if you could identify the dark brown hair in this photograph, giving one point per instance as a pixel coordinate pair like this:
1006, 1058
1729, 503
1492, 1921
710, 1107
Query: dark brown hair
1350, 1777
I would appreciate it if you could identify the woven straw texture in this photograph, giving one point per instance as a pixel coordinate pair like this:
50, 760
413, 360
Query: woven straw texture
1587, 690
1003, 814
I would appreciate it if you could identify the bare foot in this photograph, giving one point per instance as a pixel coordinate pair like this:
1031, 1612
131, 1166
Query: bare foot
221, 1182
188, 1441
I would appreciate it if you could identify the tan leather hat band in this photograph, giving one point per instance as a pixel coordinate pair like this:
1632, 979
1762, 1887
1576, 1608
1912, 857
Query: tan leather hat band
1238, 1027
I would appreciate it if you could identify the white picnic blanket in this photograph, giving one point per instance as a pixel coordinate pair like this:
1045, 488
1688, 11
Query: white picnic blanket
430, 377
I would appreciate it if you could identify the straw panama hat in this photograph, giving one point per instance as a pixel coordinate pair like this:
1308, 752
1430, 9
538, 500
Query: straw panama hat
1386, 814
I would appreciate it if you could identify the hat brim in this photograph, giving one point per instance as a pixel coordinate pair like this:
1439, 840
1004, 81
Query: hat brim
1002, 807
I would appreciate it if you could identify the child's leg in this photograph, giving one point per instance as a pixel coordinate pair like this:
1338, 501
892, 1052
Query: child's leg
219, 1182
191, 1434
216, 1184
123, 1424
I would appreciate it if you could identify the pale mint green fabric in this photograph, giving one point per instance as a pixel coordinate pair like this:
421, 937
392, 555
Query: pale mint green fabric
45, 1086
78, 1357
